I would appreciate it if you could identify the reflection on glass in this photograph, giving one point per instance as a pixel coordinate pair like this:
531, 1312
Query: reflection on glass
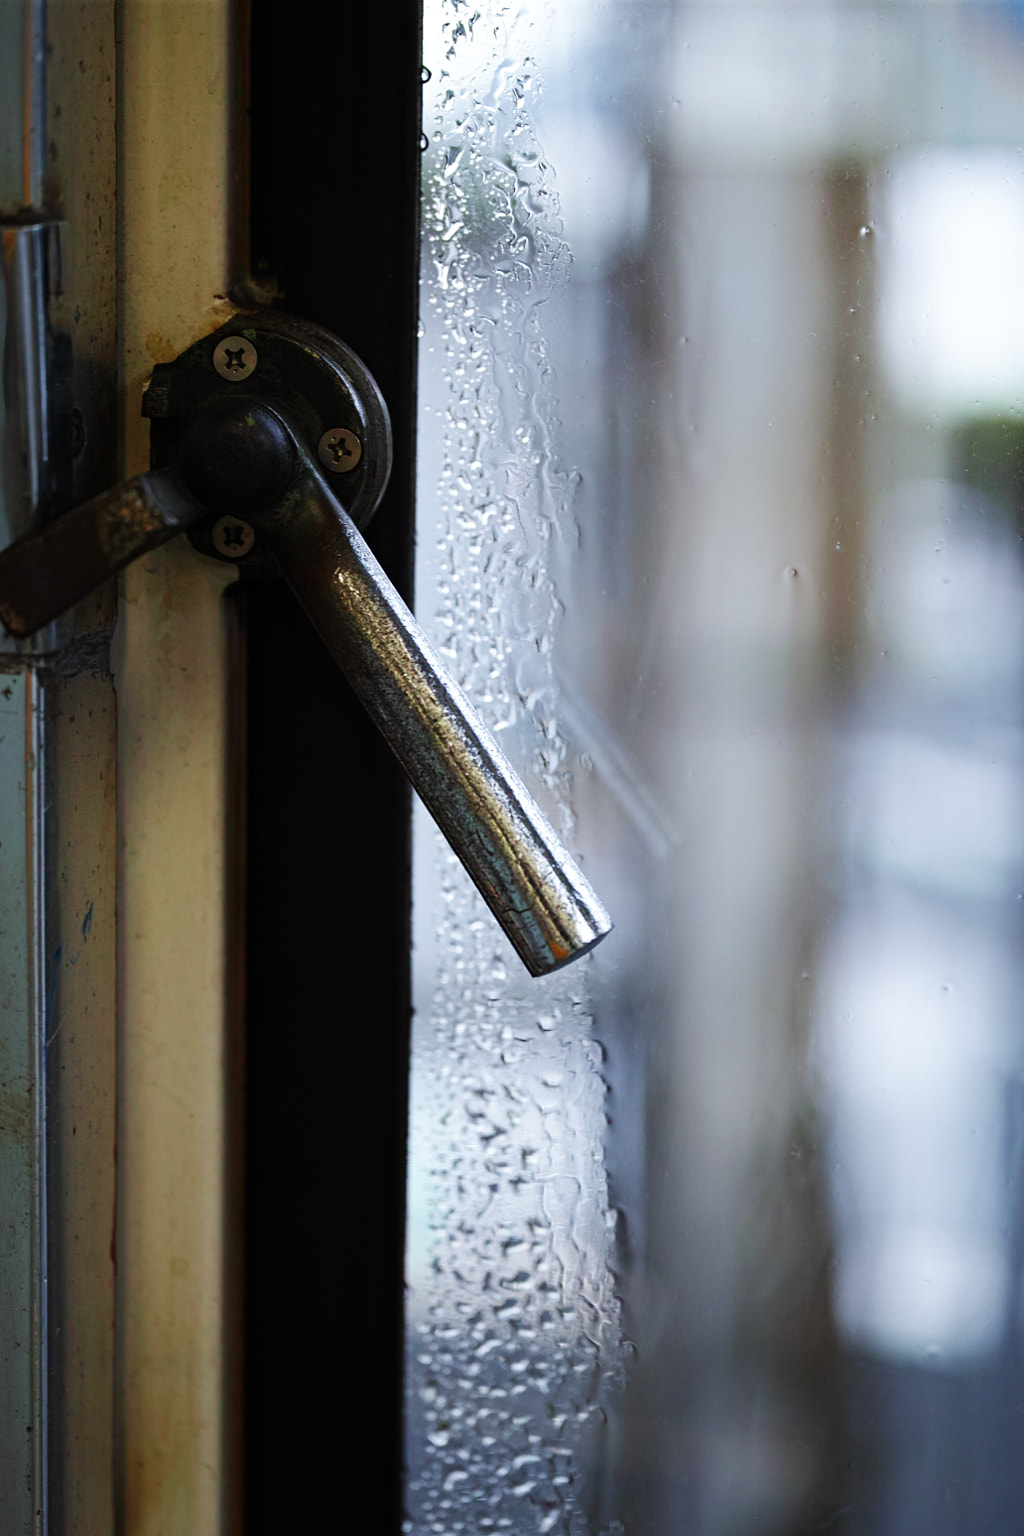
721, 506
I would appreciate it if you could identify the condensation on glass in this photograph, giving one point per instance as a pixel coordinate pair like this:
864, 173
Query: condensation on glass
721, 507
513, 1322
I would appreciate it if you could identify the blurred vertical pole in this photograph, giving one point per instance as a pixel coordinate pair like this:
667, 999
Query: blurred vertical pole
730, 1416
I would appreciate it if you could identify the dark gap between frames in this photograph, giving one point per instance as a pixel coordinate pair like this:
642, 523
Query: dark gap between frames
335, 133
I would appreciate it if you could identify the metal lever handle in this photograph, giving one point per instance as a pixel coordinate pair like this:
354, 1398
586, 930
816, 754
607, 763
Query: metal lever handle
234, 453
47, 572
528, 879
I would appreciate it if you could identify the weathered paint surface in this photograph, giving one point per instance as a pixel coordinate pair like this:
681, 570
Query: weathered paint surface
170, 671
80, 186
81, 1036
134, 1063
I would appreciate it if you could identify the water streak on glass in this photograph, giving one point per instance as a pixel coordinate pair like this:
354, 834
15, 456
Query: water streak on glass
513, 1324
722, 511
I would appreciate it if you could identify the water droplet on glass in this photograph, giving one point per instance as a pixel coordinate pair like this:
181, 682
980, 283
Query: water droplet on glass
512, 1309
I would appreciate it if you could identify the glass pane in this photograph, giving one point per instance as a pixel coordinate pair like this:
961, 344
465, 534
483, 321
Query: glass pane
721, 478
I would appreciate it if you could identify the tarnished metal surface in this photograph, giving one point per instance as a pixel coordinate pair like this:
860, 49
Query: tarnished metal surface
130, 522
528, 879
36, 438
22, 95
35, 456
44, 574
22, 1111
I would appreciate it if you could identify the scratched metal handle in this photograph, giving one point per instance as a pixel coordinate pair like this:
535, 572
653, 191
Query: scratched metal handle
237, 455
526, 876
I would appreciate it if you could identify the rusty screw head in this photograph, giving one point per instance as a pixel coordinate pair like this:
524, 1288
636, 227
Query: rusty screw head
234, 358
232, 538
339, 450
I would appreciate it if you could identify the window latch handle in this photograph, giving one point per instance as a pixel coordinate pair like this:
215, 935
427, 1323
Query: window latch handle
256, 452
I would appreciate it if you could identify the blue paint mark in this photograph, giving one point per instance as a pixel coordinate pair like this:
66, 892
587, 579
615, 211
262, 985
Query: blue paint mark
51, 996
51, 991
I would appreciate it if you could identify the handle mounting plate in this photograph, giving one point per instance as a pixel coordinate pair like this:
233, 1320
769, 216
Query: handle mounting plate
305, 371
